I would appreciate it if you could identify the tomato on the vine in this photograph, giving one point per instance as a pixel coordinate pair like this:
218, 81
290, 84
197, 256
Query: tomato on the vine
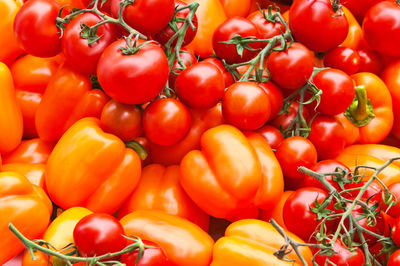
151, 256
266, 28
135, 77
343, 256
343, 58
98, 234
166, 121
325, 166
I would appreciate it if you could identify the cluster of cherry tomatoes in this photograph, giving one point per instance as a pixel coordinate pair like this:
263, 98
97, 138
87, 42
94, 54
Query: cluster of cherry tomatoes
200, 132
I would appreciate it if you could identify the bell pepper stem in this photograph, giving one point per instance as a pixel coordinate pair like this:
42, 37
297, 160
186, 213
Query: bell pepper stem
360, 112
139, 149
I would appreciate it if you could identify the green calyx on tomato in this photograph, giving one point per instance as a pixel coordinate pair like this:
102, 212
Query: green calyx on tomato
361, 111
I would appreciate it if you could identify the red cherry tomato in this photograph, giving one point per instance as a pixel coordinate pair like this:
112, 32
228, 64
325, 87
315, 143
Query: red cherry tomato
342, 256
328, 136
337, 91
394, 259
275, 96
136, 78
283, 120
325, 166
266, 28
79, 54
381, 28
151, 256
98, 234
394, 189
166, 34
291, 69
229, 80
188, 58
294, 152
273, 136
343, 58
228, 29
359, 7
296, 211
200, 86
122, 120
141, 14
315, 24
35, 28
370, 61
166, 121
246, 105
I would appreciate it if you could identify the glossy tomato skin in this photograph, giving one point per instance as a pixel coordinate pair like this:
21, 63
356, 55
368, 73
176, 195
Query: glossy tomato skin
266, 28
359, 7
166, 121
325, 166
337, 91
136, 78
394, 259
328, 136
316, 25
166, 33
294, 152
275, 96
35, 28
381, 28
200, 86
246, 105
188, 58
290, 69
122, 120
273, 136
228, 29
151, 256
342, 256
141, 16
296, 211
394, 189
98, 234
78, 53
228, 78
370, 61
343, 58
283, 120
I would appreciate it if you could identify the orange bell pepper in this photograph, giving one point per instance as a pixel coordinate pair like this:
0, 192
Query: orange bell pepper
184, 243
276, 213
253, 242
34, 172
201, 121
354, 36
91, 168
232, 176
374, 155
30, 151
11, 125
391, 77
31, 76
8, 43
159, 189
210, 15
371, 114
24, 205
68, 98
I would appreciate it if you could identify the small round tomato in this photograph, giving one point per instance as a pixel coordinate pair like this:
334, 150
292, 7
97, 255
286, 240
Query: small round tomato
328, 136
373, 193
133, 78
381, 28
394, 259
267, 29
227, 30
370, 61
273, 136
188, 58
359, 7
315, 24
200, 86
122, 120
394, 211
98, 234
325, 166
343, 58
337, 91
166, 121
296, 211
166, 34
81, 53
246, 105
291, 69
342, 256
228, 78
275, 96
142, 16
36, 30
151, 256
283, 120
294, 152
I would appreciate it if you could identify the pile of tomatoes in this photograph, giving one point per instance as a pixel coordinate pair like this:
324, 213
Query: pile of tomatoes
200, 132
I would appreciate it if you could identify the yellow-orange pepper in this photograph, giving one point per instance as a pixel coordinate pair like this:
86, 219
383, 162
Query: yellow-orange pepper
91, 168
